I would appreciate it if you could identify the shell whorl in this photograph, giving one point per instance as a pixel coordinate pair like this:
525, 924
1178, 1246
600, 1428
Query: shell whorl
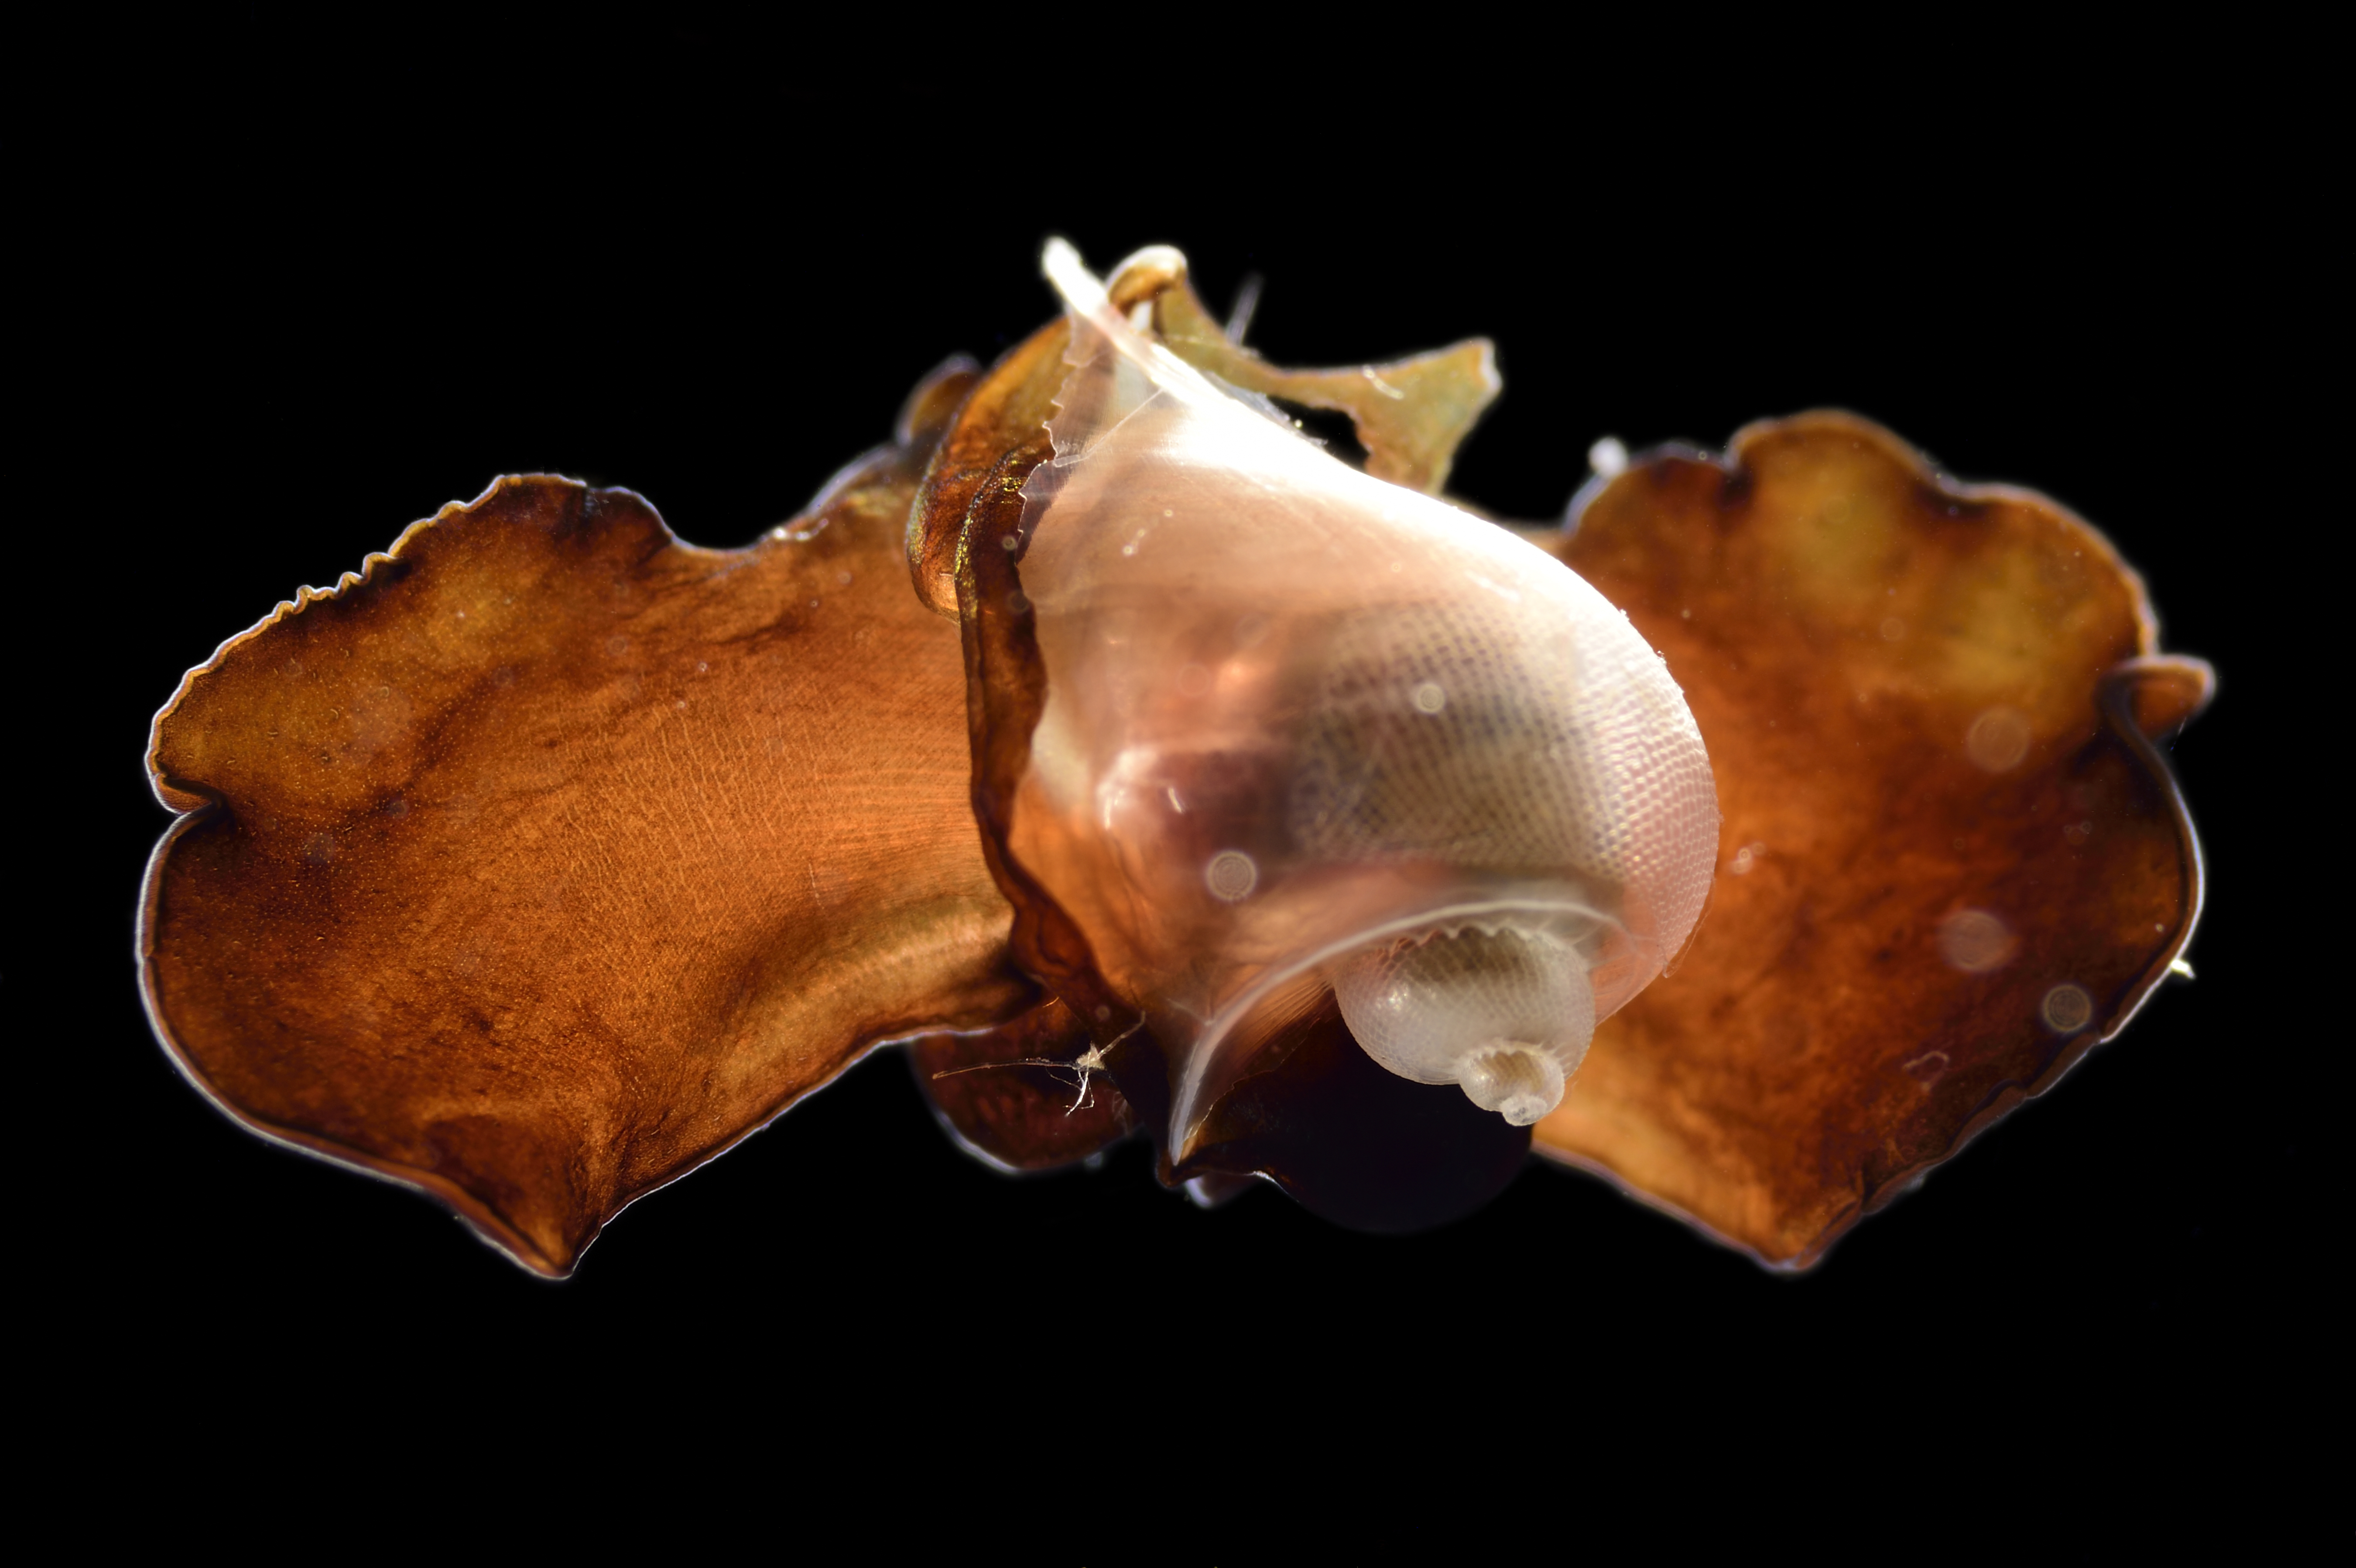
1300, 720
1505, 1012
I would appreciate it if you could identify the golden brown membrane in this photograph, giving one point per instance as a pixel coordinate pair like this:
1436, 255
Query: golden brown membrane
1951, 859
549, 857
1410, 415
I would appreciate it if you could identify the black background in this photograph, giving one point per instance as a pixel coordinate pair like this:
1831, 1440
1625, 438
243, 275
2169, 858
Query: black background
668, 263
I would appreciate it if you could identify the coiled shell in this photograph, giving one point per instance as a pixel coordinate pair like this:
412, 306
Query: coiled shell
1300, 720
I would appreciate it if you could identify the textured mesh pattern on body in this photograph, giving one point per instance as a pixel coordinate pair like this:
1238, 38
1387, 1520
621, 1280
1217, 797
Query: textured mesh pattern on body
1479, 733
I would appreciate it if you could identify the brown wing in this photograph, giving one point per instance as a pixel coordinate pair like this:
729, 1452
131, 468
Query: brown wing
549, 857
1951, 859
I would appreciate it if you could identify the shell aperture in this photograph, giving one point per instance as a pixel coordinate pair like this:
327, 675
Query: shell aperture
1300, 722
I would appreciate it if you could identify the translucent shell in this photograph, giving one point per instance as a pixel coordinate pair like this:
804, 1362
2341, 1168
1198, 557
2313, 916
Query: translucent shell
1305, 729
